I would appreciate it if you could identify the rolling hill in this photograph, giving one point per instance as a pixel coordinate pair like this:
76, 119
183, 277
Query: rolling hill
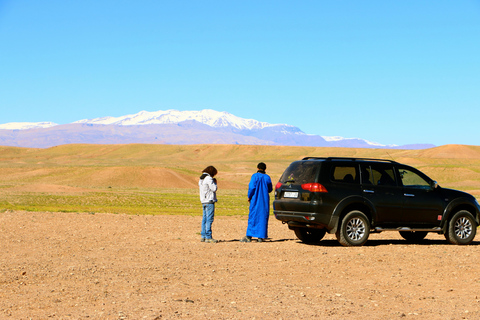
139, 165
162, 179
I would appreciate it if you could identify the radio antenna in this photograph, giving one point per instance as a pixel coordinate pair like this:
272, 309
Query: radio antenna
390, 156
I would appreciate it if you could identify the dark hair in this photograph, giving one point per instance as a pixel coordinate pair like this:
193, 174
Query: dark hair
210, 170
262, 166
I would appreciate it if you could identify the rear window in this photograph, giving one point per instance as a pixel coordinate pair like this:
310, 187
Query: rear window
347, 174
300, 172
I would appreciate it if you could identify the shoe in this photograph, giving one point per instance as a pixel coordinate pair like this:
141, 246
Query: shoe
260, 240
246, 239
211, 240
203, 240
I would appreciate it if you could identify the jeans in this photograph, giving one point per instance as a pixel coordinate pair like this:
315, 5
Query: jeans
208, 213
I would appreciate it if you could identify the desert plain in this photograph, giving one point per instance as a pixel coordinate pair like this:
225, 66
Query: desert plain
112, 232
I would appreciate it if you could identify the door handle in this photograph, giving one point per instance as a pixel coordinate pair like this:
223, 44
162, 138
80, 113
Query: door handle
408, 195
368, 191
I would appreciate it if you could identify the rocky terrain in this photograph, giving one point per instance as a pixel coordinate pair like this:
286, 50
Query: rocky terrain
111, 266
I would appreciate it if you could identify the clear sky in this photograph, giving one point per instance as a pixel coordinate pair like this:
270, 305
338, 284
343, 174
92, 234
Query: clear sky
393, 72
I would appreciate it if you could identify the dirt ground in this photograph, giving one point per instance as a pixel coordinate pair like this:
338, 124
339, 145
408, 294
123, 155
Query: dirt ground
107, 266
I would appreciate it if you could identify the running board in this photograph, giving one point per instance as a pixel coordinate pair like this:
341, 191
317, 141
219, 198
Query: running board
436, 229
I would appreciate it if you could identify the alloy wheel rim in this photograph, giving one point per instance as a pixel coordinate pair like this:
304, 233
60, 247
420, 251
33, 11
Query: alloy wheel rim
355, 229
463, 228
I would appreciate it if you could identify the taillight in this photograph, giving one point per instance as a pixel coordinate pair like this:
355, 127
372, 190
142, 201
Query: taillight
278, 185
314, 187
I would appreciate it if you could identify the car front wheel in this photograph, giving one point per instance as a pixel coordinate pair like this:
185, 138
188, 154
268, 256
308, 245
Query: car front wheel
462, 228
354, 229
310, 235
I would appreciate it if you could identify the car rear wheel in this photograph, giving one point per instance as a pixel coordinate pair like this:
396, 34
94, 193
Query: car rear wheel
310, 235
462, 228
354, 229
413, 236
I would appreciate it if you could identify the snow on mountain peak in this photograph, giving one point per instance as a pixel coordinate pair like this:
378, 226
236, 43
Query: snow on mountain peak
209, 117
337, 139
26, 125
248, 131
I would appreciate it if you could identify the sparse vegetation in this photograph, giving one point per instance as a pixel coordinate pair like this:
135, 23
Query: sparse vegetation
162, 179
167, 201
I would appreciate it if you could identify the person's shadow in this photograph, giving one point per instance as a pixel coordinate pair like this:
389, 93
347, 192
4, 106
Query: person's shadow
268, 240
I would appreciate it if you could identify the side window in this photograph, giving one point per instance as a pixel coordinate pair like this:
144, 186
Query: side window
366, 175
411, 179
346, 174
382, 175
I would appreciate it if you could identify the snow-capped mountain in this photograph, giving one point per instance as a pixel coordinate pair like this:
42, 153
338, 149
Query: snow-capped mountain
209, 117
373, 144
173, 127
26, 125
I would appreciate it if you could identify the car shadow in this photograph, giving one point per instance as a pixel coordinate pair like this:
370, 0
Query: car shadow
369, 243
384, 242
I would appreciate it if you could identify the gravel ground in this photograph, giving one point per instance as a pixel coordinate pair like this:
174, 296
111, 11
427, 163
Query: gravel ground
108, 266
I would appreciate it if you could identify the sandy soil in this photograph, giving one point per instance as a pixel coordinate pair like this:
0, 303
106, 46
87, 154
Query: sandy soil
106, 266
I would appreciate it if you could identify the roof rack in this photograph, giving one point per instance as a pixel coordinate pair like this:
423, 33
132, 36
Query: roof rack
348, 158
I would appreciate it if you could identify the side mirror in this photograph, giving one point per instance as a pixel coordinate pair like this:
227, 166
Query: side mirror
434, 185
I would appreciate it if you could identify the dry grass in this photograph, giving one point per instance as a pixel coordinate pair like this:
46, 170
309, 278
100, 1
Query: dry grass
156, 179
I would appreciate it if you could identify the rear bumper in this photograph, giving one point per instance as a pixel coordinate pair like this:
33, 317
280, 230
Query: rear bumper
305, 219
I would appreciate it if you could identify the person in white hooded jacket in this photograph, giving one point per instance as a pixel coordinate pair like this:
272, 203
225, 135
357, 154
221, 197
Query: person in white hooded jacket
208, 196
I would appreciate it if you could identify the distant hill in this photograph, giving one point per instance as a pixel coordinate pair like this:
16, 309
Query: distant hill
174, 127
75, 168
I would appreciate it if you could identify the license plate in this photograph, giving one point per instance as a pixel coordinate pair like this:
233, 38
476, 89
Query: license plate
290, 194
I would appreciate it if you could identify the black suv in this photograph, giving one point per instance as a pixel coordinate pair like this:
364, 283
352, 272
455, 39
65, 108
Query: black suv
353, 197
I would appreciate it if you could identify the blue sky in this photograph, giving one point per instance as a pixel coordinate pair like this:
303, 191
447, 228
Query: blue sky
393, 72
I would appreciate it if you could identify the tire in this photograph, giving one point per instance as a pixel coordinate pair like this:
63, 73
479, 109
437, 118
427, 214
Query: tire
462, 228
354, 229
413, 236
310, 235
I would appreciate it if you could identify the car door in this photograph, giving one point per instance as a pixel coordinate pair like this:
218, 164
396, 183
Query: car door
423, 204
380, 187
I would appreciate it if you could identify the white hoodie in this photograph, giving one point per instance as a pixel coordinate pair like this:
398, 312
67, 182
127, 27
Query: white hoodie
207, 188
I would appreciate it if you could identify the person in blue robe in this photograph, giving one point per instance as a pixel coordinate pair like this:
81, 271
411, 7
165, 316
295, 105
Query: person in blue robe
258, 196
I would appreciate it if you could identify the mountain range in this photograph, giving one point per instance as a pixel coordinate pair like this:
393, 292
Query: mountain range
173, 127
